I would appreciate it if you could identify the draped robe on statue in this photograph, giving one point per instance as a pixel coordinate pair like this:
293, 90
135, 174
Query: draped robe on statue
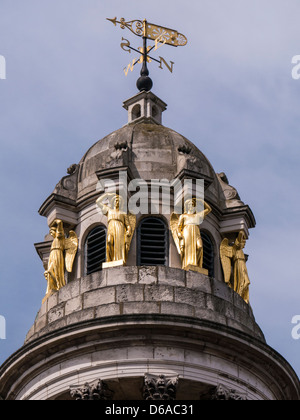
193, 246
56, 264
117, 227
241, 278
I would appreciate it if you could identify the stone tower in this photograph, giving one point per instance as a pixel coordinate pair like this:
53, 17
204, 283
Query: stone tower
147, 330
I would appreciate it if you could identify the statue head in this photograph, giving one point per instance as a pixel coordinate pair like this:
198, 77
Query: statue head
117, 202
190, 206
241, 240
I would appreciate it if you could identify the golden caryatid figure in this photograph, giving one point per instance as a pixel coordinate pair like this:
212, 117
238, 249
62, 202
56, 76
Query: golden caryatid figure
234, 265
186, 233
121, 227
62, 255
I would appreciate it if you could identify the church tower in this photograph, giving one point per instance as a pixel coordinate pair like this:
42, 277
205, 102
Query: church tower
152, 304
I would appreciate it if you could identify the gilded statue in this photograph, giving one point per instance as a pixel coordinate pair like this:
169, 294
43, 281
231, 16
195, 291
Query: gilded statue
62, 255
186, 233
121, 227
234, 265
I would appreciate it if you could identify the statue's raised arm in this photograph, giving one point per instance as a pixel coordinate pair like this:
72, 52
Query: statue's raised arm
105, 207
207, 209
186, 233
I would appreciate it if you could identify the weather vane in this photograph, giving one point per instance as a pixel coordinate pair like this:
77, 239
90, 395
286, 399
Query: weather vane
148, 31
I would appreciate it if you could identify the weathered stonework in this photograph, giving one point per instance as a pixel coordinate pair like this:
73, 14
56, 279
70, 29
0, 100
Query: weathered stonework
145, 290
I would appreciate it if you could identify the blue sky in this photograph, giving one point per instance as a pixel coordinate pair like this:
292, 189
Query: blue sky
231, 93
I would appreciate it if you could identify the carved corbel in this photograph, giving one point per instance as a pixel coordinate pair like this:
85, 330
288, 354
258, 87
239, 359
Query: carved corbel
160, 387
222, 393
95, 391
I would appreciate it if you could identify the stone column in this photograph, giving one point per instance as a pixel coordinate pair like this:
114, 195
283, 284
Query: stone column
94, 391
160, 387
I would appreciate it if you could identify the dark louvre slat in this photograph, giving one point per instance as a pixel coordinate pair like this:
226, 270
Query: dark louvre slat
93, 261
153, 242
153, 256
96, 234
154, 249
153, 261
158, 237
94, 268
208, 254
95, 250
152, 231
95, 239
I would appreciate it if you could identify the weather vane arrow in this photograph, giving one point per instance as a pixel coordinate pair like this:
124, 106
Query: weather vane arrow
160, 34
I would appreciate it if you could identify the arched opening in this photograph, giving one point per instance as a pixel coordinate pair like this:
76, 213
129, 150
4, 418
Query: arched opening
136, 112
95, 250
153, 244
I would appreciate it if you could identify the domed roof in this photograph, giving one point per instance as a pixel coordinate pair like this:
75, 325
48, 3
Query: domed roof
147, 150
151, 151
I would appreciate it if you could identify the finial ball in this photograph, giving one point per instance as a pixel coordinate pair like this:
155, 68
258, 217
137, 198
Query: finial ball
144, 83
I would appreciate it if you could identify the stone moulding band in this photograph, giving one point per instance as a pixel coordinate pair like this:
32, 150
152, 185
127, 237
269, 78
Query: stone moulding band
82, 337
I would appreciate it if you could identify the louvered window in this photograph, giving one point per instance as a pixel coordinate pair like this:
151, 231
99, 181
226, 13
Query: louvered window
153, 242
95, 250
208, 254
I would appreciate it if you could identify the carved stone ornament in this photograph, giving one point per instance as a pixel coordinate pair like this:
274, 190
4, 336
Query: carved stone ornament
119, 157
184, 150
95, 391
72, 169
160, 388
222, 393
231, 195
